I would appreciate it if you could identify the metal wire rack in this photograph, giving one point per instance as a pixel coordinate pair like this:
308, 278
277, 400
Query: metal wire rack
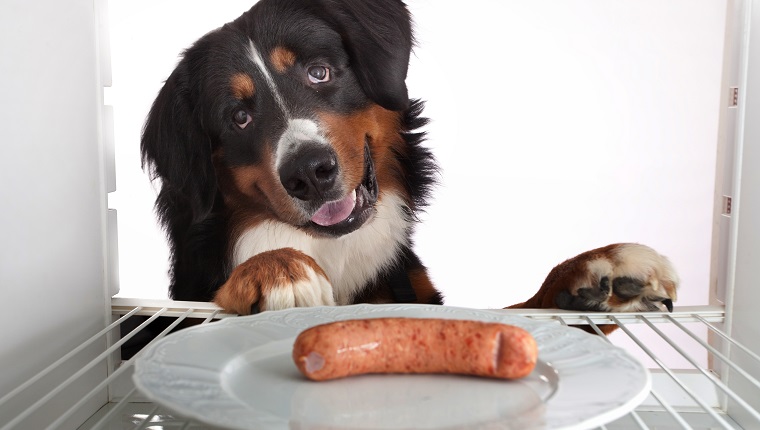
691, 396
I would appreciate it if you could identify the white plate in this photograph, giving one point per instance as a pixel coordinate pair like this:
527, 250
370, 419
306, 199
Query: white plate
239, 373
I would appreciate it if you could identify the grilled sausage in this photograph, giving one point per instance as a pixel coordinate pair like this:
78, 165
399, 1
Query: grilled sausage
414, 345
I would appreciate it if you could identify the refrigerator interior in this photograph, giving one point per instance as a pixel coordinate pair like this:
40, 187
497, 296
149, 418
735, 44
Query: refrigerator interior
59, 261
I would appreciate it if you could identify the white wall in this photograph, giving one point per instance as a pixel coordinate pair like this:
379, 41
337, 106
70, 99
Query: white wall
561, 125
52, 204
744, 324
146, 39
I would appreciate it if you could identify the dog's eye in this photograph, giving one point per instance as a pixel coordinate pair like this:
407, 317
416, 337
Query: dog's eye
241, 118
318, 74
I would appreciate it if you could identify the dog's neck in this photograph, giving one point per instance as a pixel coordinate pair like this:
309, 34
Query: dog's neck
350, 261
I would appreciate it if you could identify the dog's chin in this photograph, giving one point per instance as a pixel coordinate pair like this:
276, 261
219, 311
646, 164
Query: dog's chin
348, 214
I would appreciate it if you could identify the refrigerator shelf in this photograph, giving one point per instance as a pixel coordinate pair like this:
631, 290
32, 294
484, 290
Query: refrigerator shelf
692, 396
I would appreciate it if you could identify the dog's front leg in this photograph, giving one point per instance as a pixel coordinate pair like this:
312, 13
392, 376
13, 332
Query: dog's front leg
277, 279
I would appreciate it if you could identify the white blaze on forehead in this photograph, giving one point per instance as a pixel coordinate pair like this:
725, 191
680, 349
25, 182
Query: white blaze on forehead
298, 131
258, 60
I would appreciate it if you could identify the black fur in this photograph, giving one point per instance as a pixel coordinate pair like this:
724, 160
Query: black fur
189, 120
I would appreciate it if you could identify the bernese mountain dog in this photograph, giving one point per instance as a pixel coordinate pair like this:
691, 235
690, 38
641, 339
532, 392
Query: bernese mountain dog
292, 168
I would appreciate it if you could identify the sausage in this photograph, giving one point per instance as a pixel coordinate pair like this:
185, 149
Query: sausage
414, 345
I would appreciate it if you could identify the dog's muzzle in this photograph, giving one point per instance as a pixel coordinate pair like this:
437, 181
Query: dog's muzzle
312, 177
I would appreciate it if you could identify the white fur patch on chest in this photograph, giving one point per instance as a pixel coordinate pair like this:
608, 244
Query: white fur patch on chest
350, 261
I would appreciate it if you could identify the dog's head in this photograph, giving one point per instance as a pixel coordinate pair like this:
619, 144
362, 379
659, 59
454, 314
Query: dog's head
291, 112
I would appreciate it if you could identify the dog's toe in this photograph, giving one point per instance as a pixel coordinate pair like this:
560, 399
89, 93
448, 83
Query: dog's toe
626, 287
586, 299
311, 289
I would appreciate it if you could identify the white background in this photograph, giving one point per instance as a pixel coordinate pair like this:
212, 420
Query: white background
560, 126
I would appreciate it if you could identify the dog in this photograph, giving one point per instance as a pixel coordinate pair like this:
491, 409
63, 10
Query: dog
292, 170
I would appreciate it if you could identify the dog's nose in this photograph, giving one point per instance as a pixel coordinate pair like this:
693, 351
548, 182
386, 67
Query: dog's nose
310, 173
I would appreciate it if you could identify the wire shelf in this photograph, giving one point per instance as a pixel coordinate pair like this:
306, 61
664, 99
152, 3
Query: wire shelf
691, 394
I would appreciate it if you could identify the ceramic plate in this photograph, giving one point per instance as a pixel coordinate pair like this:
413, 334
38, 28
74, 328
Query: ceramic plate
238, 373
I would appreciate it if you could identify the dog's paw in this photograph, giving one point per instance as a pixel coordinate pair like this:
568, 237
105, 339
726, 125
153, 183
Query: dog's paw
625, 277
277, 279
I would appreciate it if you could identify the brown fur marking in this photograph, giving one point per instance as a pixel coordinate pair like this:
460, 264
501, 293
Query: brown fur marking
347, 134
282, 59
422, 285
242, 86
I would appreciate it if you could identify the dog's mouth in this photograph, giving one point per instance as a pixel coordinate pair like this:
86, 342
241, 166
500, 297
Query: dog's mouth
339, 217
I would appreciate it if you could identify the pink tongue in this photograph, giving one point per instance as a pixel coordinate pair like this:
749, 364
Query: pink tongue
334, 212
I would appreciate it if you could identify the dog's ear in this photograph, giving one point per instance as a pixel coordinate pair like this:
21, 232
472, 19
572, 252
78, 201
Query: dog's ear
378, 38
177, 151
